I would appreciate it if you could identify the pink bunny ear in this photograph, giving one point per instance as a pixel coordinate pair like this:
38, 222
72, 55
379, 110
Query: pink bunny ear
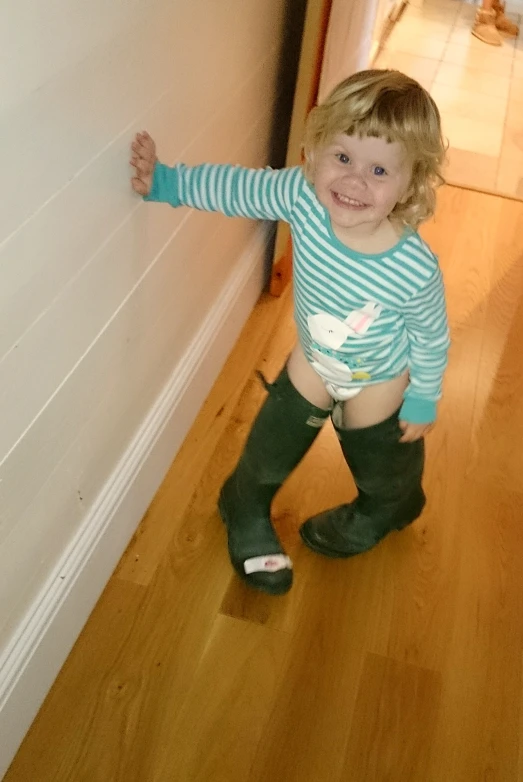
361, 320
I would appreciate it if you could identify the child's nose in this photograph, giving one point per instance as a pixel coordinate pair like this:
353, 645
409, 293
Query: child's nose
356, 178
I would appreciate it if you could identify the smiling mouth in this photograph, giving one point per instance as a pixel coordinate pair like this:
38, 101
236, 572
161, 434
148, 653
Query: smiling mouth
351, 203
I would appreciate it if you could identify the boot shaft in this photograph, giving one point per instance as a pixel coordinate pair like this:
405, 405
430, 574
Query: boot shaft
285, 428
387, 472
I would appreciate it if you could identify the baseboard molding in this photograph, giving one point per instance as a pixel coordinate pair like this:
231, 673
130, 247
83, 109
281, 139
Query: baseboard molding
44, 639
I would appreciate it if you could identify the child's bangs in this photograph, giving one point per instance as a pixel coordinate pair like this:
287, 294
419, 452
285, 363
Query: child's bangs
385, 119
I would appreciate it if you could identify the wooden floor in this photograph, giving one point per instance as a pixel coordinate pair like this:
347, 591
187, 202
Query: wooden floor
403, 665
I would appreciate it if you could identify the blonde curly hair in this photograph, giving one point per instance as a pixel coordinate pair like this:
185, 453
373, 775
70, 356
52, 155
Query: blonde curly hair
385, 104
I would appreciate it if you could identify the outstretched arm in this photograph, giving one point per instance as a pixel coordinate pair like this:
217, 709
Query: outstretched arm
263, 194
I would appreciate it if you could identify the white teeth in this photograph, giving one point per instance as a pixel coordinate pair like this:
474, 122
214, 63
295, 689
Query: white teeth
349, 201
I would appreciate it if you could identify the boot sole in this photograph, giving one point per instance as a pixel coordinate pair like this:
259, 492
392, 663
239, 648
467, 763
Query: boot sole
335, 554
332, 553
484, 40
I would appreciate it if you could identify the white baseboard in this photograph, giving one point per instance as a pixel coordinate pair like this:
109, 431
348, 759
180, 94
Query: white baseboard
41, 643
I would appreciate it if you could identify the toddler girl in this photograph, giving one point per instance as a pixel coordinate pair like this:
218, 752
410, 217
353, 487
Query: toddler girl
369, 308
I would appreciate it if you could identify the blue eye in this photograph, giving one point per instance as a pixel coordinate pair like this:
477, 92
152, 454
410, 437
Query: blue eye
379, 171
343, 158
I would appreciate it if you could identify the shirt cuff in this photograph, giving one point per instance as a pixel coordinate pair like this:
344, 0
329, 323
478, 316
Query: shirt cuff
164, 185
416, 410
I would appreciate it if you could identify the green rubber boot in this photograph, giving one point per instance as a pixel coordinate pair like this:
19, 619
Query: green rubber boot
388, 477
282, 433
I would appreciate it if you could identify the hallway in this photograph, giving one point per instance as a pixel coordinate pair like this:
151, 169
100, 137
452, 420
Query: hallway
478, 88
402, 665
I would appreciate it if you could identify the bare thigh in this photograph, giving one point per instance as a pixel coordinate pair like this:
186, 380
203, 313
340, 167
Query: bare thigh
374, 403
371, 406
306, 381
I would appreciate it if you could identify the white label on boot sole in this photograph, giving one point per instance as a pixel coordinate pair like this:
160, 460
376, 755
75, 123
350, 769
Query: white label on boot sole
270, 564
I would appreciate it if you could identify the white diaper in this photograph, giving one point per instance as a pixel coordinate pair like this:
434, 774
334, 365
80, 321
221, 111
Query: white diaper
340, 394
336, 375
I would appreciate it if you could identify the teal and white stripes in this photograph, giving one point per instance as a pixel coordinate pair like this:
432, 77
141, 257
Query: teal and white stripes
236, 192
405, 283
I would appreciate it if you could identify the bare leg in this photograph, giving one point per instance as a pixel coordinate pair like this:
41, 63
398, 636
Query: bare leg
374, 404
306, 381
371, 406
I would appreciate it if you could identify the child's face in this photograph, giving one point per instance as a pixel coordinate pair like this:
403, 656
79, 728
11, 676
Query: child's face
360, 180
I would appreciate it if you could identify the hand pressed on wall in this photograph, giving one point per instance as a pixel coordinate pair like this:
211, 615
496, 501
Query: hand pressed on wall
144, 161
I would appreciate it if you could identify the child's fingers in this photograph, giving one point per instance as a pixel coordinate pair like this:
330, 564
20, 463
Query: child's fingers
144, 153
145, 162
144, 143
139, 186
412, 432
141, 165
143, 136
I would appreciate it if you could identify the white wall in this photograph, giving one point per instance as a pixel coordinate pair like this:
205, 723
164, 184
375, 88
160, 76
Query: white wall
348, 47
107, 304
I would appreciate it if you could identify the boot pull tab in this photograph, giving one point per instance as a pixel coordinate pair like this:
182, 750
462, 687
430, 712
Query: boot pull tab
267, 386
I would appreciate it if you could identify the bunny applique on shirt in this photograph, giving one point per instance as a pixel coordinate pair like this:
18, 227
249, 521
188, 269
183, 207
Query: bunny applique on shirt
330, 332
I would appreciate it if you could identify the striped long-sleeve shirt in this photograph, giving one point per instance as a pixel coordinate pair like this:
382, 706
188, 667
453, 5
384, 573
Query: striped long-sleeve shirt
361, 319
